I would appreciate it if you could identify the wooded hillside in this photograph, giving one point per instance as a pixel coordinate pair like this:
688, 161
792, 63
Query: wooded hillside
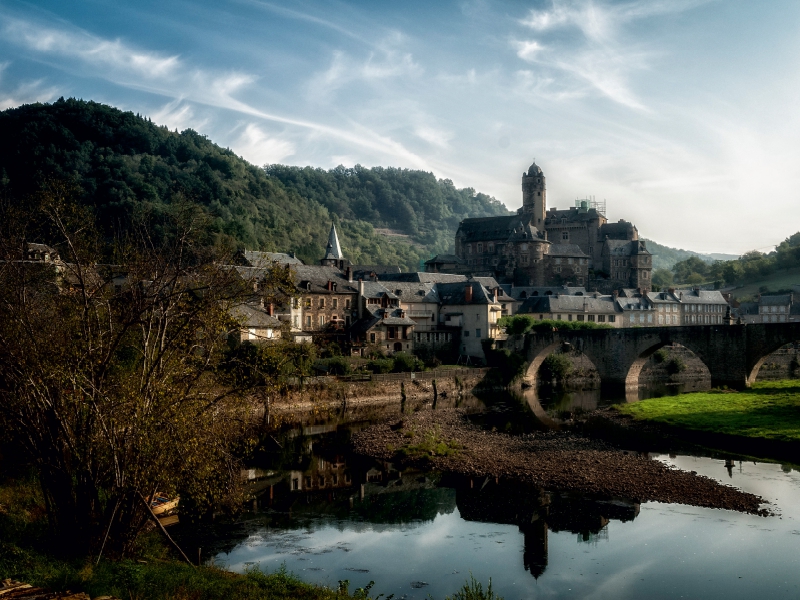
124, 163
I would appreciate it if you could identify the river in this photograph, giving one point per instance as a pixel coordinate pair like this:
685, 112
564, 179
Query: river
329, 516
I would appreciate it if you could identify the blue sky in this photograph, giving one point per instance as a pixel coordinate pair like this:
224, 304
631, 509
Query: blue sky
682, 114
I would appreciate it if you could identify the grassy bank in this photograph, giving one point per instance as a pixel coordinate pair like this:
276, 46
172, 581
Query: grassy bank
769, 411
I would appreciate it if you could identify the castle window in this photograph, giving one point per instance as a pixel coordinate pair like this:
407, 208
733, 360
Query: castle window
565, 235
480, 247
469, 248
540, 193
491, 246
557, 269
524, 259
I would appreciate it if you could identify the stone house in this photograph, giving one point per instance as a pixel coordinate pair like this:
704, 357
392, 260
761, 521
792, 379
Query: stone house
592, 308
701, 307
628, 264
470, 310
256, 325
566, 264
667, 307
381, 322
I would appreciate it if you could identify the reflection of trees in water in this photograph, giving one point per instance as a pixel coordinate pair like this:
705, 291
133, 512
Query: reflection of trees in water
536, 512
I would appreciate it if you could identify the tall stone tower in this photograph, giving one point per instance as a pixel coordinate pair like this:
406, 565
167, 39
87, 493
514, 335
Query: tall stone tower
534, 196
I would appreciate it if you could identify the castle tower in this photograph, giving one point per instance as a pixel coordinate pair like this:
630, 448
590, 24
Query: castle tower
534, 196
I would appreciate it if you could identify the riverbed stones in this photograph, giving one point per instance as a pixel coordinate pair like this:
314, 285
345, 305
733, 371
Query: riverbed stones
554, 460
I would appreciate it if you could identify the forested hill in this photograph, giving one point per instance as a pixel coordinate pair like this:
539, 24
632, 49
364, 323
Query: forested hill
123, 163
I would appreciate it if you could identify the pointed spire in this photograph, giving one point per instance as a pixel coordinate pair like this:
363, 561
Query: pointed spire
333, 250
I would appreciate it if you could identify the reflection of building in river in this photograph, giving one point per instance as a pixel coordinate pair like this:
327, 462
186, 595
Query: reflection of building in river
536, 512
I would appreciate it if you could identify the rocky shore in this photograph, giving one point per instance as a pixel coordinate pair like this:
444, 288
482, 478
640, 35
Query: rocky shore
556, 460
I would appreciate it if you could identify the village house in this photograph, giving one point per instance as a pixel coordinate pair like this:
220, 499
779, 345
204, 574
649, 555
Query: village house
382, 324
256, 325
701, 307
591, 308
472, 311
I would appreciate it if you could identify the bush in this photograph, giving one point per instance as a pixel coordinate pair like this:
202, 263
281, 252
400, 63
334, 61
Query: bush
404, 363
660, 356
675, 365
337, 365
555, 366
521, 324
381, 365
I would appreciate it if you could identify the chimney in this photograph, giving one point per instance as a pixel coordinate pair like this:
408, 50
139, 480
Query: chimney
360, 297
349, 272
468, 293
330, 285
271, 309
615, 293
671, 291
496, 294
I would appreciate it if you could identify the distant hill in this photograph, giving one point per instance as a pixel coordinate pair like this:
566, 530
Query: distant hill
665, 257
123, 162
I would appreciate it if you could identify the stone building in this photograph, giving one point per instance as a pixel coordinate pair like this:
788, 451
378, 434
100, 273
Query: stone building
535, 246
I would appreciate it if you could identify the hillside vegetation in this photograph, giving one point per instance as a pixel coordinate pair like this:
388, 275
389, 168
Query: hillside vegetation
124, 163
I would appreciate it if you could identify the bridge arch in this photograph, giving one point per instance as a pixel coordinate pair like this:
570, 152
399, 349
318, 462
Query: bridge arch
753, 372
566, 345
638, 364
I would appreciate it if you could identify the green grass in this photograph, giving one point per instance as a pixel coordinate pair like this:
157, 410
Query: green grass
769, 410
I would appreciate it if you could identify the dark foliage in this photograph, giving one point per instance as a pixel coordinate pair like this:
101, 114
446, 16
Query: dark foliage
124, 165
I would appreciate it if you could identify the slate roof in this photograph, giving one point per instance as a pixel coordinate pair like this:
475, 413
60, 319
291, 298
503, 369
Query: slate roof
333, 251
252, 316
554, 216
413, 291
700, 297
491, 228
441, 259
255, 258
375, 316
623, 230
314, 278
453, 293
422, 277
661, 298
531, 292
574, 304
625, 247
747, 308
780, 300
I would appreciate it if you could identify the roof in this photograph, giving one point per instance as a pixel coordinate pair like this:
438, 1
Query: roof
333, 250
573, 214
700, 296
633, 303
373, 289
521, 293
534, 170
494, 228
444, 259
376, 316
661, 297
423, 277
377, 269
555, 304
454, 293
252, 316
747, 308
254, 258
414, 291
571, 250
315, 278
622, 230
780, 300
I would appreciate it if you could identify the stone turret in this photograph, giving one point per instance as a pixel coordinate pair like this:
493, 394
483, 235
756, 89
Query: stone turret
534, 196
333, 252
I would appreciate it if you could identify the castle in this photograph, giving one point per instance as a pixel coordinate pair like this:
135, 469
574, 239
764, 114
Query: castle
541, 247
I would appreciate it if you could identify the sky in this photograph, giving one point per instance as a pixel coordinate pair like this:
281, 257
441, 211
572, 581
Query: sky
681, 114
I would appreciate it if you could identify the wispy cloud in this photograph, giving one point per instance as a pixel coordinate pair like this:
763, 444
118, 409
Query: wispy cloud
25, 92
259, 148
602, 56
170, 76
377, 67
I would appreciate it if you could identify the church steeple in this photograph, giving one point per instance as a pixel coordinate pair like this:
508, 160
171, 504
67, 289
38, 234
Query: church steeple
333, 250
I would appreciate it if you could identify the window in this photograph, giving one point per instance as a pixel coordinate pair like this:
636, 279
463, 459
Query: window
466, 333
558, 261
372, 338
601, 318
644, 274
569, 317
591, 318
577, 269
523, 259
649, 318
347, 303
660, 319
480, 247
295, 302
570, 261
308, 302
469, 248
612, 318
308, 321
478, 333
322, 302
580, 317
491, 247
674, 319
565, 235
296, 321
557, 269
335, 303
322, 320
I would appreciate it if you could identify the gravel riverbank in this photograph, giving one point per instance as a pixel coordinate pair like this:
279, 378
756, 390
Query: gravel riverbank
555, 460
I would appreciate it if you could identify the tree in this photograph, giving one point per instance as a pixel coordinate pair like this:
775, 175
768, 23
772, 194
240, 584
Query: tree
109, 375
662, 278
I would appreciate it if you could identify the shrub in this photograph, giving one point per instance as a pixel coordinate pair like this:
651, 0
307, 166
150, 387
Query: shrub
521, 324
404, 362
675, 365
337, 365
555, 366
661, 356
381, 365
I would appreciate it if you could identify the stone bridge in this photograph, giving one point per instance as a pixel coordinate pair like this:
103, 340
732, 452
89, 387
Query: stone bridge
732, 353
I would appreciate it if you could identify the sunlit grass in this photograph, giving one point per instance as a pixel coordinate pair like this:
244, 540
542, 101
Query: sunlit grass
769, 410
